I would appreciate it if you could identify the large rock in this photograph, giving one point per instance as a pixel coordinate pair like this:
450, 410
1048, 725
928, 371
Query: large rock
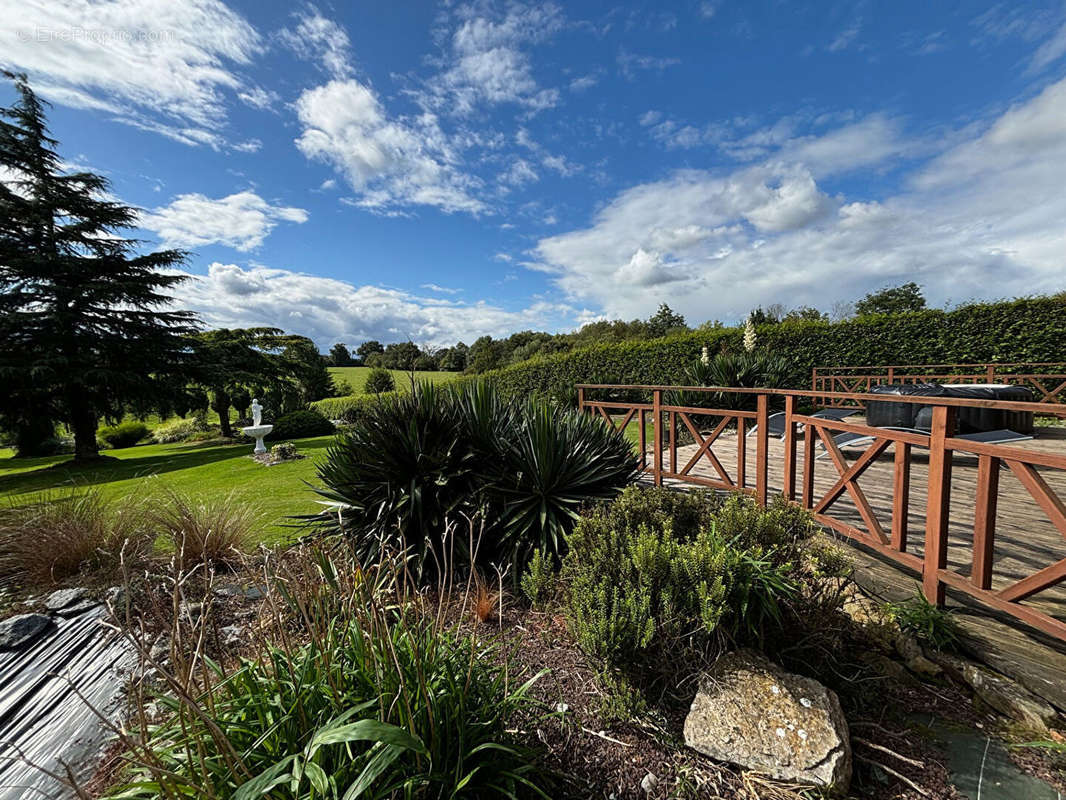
20, 631
1001, 693
750, 712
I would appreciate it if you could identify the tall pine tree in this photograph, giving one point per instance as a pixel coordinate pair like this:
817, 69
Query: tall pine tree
85, 326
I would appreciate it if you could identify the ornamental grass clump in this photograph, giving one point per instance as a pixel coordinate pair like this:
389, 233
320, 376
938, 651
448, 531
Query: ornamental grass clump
53, 536
359, 691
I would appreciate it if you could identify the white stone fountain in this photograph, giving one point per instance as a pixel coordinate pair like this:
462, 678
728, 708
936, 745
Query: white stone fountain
257, 430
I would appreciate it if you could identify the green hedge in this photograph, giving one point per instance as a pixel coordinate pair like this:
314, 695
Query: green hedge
346, 408
1025, 330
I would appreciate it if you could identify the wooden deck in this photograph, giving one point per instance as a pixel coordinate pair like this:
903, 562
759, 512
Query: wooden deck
1026, 541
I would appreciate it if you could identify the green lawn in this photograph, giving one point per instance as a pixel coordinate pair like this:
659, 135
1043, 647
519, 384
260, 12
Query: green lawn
356, 376
200, 470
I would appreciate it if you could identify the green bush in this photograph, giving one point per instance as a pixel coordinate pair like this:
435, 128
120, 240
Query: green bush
1024, 330
658, 570
379, 380
125, 434
416, 460
346, 410
300, 425
537, 580
177, 430
384, 702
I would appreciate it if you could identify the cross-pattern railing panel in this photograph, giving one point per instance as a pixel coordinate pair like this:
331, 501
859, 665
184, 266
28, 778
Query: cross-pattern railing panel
837, 498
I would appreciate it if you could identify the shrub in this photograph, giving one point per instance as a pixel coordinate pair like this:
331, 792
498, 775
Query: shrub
284, 451
213, 531
415, 460
347, 410
177, 430
379, 380
538, 578
52, 536
386, 701
341, 388
300, 425
125, 434
736, 370
658, 570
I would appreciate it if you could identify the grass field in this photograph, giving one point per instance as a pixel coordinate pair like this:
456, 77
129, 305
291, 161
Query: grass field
205, 470
356, 376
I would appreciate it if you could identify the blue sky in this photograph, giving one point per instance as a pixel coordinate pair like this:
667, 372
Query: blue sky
438, 172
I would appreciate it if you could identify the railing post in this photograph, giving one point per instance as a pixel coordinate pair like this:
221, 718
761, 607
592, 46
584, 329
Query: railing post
581, 399
990, 373
939, 504
762, 445
814, 379
790, 448
891, 374
656, 409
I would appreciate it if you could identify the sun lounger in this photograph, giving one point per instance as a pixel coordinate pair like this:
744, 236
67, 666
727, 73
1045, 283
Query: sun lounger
848, 440
775, 423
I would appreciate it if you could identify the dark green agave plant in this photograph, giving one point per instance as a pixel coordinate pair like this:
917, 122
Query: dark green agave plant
416, 460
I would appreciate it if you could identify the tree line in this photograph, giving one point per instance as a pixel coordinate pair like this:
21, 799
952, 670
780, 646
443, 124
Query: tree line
487, 353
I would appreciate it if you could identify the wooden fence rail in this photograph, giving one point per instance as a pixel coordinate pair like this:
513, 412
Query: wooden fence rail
706, 426
1047, 379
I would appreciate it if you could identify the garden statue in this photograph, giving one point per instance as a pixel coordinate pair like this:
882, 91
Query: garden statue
257, 429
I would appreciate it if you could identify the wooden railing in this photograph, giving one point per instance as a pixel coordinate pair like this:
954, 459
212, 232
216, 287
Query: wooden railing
1047, 379
707, 426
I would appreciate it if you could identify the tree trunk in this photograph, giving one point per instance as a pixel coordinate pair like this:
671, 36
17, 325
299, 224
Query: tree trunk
223, 419
83, 422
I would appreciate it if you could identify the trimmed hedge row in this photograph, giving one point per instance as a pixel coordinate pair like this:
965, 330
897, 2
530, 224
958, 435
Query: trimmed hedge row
347, 408
1025, 330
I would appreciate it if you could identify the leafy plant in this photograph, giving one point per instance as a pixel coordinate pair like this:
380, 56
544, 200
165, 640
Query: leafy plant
537, 580
552, 464
657, 571
284, 451
383, 700
414, 460
379, 380
125, 434
931, 625
300, 425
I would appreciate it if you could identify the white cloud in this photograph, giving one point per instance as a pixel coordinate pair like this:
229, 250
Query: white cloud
260, 98
486, 58
984, 219
241, 221
519, 173
441, 289
1050, 51
845, 38
584, 82
321, 40
164, 66
629, 63
388, 162
330, 310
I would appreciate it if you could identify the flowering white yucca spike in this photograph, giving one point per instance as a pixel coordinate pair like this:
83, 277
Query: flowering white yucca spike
749, 335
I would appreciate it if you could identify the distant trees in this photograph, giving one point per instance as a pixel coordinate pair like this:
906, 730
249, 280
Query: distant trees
892, 300
340, 356
85, 330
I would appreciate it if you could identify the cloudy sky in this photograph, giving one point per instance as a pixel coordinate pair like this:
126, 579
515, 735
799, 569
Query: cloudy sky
437, 172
